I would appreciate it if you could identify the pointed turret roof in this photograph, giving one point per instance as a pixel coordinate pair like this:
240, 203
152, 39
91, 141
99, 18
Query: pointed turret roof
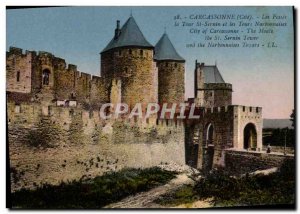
164, 50
129, 35
212, 74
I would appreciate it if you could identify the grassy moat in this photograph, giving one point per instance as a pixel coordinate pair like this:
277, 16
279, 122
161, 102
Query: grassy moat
222, 189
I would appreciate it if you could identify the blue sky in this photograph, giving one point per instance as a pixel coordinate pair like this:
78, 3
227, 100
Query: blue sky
260, 76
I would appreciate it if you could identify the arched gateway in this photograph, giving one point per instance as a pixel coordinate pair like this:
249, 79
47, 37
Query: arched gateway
250, 136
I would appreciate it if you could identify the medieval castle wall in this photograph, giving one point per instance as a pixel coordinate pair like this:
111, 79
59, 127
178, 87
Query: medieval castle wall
242, 162
54, 144
64, 82
56, 134
50, 142
18, 71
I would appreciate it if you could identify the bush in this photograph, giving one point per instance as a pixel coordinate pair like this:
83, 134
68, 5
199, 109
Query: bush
182, 195
273, 189
276, 188
277, 138
92, 193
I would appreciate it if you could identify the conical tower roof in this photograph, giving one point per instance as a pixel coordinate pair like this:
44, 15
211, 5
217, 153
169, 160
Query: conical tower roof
164, 50
212, 74
130, 35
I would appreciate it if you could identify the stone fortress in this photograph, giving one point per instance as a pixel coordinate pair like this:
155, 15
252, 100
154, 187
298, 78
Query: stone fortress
55, 132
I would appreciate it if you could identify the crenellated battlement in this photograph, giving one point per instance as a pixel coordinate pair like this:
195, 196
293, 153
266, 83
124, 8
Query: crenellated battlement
63, 115
217, 110
199, 65
45, 54
133, 52
85, 76
217, 86
18, 52
236, 110
15, 50
55, 62
46, 77
248, 109
72, 67
96, 78
59, 63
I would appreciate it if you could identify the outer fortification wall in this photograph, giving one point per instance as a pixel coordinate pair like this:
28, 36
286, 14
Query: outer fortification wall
54, 144
241, 162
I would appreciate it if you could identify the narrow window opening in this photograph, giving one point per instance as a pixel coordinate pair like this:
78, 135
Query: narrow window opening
46, 74
18, 76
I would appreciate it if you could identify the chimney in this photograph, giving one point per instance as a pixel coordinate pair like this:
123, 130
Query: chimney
117, 30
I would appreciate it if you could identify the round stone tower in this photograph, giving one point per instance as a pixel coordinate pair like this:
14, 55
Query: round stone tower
129, 57
171, 72
210, 88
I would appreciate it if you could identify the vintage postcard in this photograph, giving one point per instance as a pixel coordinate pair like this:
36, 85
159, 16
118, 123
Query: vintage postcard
150, 107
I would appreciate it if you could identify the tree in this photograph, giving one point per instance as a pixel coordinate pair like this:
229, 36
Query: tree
293, 118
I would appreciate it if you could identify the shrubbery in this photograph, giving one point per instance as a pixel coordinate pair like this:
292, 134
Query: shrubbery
226, 190
277, 138
276, 188
92, 193
182, 195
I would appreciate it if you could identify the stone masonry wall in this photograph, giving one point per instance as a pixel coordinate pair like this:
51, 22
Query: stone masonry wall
170, 82
18, 71
135, 68
210, 95
65, 82
217, 94
221, 120
54, 144
244, 115
228, 124
240, 162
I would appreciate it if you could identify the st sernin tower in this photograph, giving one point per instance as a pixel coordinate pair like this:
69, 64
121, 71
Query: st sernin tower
128, 58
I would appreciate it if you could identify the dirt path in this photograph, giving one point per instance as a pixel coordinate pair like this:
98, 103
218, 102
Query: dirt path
196, 204
145, 199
